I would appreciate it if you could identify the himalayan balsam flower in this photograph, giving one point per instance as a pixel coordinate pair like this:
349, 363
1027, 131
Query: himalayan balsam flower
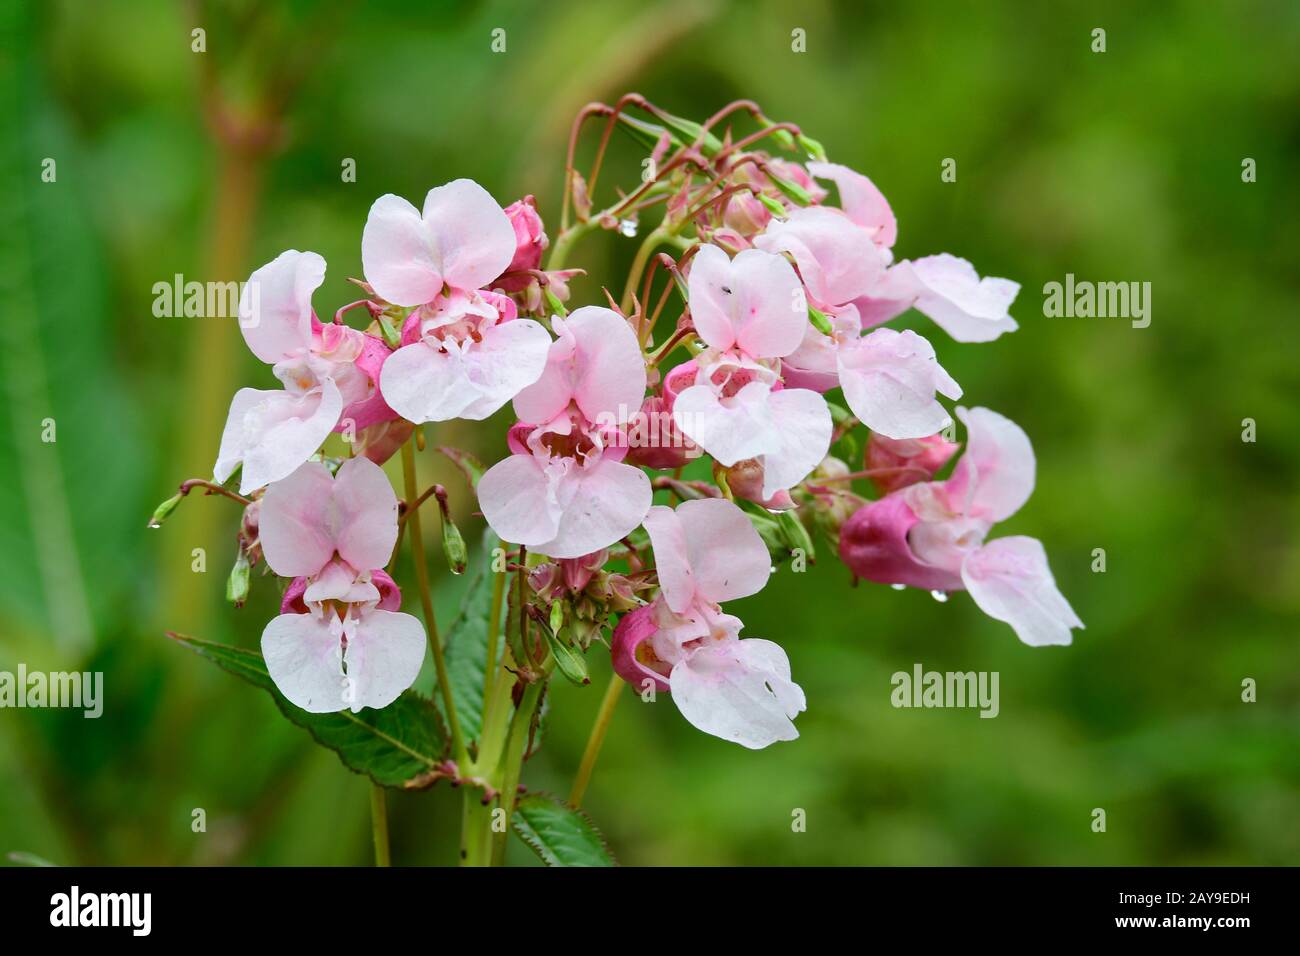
932, 535
272, 432
464, 353
565, 492
350, 648
706, 552
751, 312
844, 256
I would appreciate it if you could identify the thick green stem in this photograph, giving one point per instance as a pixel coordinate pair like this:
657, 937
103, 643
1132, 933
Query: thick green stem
426, 603
595, 740
513, 760
379, 825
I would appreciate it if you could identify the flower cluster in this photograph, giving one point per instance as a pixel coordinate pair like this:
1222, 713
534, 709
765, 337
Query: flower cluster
651, 473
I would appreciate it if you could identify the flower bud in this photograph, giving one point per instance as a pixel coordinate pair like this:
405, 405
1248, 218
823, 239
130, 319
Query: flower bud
916, 459
530, 242
745, 479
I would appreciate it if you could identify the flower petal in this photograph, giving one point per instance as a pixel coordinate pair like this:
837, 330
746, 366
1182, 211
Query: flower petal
516, 500
294, 522
740, 691
471, 233
275, 305
837, 258
427, 384
890, 379
861, 200
725, 552
383, 657
995, 475
754, 302
1010, 581
874, 543
273, 432
364, 512
952, 294
398, 254
731, 432
596, 361
600, 504
305, 659
801, 422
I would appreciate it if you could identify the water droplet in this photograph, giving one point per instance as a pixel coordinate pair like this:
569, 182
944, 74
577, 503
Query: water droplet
627, 227
940, 596
899, 587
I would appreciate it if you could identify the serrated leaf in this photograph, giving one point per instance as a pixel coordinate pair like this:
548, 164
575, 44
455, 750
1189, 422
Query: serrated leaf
393, 746
466, 644
559, 834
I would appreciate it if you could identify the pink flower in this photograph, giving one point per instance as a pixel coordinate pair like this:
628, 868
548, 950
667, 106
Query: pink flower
838, 259
950, 292
889, 378
530, 243
566, 491
750, 311
932, 535
272, 432
913, 459
707, 551
835, 259
469, 353
351, 648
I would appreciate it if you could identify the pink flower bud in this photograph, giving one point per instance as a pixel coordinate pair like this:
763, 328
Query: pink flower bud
916, 459
633, 658
745, 479
654, 440
873, 543
530, 241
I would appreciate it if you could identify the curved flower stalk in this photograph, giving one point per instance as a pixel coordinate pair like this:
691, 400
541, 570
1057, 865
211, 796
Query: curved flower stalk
754, 306
707, 552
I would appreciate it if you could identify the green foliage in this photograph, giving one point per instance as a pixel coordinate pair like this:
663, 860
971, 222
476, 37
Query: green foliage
398, 746
558, 834
466, 643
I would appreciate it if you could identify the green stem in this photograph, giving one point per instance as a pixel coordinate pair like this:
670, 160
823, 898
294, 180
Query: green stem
426, 603
652, 240
493, 640
596, 740
513, 762
379, 825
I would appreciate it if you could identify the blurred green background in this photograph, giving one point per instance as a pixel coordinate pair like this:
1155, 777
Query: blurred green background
1123, 165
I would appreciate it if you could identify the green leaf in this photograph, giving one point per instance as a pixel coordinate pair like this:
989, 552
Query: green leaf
559, 834
398, 746
73, 451
466, 644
